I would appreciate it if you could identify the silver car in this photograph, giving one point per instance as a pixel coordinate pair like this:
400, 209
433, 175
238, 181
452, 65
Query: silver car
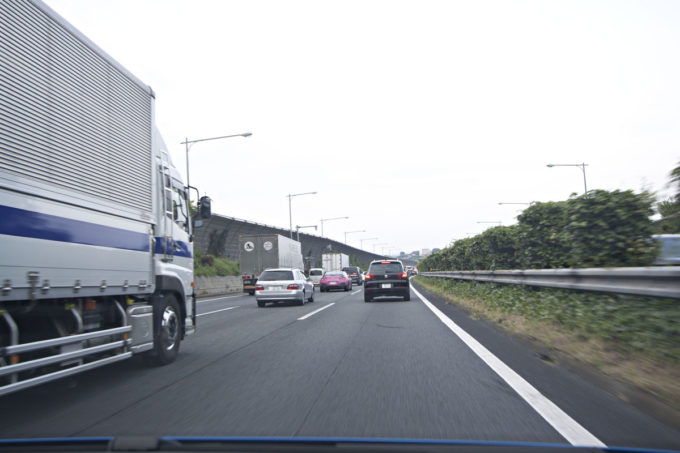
284, 284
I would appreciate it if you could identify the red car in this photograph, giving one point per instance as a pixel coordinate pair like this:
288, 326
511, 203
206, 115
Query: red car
335, 280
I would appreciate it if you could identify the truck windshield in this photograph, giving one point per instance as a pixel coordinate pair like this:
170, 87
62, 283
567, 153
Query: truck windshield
268, 276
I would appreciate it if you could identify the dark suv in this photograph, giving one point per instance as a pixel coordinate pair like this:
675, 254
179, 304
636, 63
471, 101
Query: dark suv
386, 278
354, 273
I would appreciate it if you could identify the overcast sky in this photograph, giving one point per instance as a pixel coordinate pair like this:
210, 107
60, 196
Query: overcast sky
415, 119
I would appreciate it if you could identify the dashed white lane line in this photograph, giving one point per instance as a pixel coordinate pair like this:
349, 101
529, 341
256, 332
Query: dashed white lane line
355, 292
302, 318
558, 419
218, 298
216, 311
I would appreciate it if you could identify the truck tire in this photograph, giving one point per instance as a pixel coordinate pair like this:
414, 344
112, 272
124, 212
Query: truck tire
251, 293
167, 326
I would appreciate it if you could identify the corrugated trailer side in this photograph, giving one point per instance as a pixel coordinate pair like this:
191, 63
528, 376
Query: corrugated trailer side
76, 163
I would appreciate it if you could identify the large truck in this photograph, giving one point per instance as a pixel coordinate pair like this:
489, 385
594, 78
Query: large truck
95, 228
258, 252
334, 261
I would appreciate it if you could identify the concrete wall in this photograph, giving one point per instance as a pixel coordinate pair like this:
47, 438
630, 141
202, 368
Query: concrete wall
220, 233
208, 286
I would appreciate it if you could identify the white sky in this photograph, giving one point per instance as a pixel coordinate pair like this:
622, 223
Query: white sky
413, 118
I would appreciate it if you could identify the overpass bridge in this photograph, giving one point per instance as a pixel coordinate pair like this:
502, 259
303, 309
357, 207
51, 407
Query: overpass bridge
219, 235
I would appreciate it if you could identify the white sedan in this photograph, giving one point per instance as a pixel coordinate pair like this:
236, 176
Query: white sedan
285, 284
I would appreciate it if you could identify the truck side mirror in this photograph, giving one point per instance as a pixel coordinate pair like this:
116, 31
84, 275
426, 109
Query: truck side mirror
204, 210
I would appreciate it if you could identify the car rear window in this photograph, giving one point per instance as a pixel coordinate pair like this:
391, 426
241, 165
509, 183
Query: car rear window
334, 274
351, 270
268, 276
312, 272
385, 268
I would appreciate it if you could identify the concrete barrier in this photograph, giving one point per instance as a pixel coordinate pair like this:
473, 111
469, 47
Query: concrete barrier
210, 286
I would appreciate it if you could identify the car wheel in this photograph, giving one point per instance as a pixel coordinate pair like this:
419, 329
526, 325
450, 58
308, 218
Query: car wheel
407, 297
346, 288
311, 298
304, 296
367, 298
261, 304
167, 327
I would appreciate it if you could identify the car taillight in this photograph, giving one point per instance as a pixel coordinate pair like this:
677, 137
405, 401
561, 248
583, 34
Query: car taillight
259, 288
403, 275
369, 276
245, 277
293, 286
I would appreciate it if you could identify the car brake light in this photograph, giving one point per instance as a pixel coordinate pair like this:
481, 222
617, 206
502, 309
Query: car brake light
403, 275
293, 286
385, 262
259, 288
369, 276
246, 277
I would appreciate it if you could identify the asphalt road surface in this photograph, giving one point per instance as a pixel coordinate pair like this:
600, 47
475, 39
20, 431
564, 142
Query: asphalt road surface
337, 367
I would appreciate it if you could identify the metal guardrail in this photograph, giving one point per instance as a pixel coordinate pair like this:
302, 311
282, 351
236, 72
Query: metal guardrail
655, 281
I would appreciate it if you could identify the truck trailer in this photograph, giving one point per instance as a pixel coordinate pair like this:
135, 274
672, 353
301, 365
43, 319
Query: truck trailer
95, 227
334, 261
258, 252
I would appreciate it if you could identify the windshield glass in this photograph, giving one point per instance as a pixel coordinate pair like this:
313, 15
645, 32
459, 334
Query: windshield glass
275, 275
389, 268
492, 186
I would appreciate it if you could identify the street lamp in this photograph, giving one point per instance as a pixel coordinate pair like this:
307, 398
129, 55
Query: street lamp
377, 244
326, 220
355, 231
581, 166
188, 142
290, 208
366, 239
297, 229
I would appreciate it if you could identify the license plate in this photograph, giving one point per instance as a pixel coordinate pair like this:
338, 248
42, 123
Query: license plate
274, 288
334, 283
386, 285
248, 287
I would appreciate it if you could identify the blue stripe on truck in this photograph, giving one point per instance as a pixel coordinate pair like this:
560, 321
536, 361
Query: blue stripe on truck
31, 224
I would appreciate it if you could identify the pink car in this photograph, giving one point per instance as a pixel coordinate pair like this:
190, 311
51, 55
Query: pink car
335, 280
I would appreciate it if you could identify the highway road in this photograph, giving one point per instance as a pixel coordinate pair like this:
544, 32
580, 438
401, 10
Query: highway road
338, 367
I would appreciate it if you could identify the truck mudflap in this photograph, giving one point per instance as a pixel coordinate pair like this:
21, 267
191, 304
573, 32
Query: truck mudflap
72, 354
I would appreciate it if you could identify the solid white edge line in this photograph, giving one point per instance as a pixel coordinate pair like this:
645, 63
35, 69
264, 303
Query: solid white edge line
218, 298
216, 311
355, 292
574, 433
302, 318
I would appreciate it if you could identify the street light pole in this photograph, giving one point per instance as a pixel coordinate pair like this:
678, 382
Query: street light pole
355, 231
582, 166
290, 208
327, 220
379, 243
361, 241
297, 229
188, 142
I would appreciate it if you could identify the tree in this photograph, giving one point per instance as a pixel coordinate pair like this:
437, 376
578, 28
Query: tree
670, 208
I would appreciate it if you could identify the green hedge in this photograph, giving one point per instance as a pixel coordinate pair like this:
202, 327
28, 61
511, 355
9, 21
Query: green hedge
213, 266
600, 229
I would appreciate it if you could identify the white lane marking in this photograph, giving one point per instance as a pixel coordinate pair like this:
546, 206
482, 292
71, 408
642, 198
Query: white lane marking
563, 423
217, 311
218, 298
356, 292
315, 312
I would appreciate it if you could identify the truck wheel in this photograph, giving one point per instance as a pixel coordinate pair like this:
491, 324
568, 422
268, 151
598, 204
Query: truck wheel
167, 327
251, 293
